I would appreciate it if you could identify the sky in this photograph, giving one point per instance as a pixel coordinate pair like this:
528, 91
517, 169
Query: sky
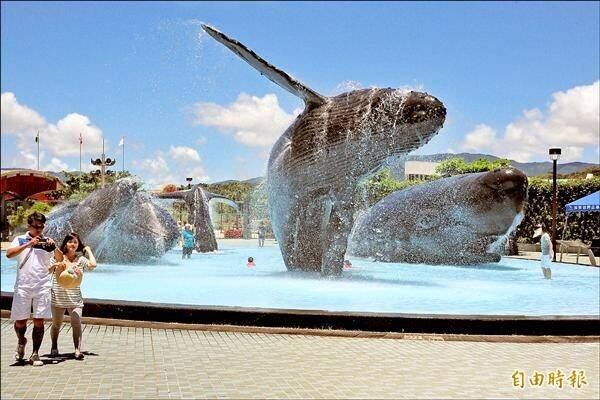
516, 78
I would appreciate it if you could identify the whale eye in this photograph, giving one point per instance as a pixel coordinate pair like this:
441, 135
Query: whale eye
426, 220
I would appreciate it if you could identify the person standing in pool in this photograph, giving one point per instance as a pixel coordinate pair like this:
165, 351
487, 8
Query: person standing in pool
188, 241
77, 258
262, 233
33, 284
547, 250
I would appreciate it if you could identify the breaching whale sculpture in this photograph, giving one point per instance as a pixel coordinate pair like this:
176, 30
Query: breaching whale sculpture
197, 201
120, 223
452, 221
314, 167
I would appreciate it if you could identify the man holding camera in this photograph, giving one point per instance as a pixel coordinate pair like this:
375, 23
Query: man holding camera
33, 284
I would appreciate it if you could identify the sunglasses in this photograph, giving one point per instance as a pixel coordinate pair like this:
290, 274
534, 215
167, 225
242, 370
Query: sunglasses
37, 226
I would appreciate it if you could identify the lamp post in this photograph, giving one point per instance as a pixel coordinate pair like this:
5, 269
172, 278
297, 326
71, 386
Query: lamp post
189, 181
103, 163
554, 156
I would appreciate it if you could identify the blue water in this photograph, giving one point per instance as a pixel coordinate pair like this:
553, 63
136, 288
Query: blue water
514, 287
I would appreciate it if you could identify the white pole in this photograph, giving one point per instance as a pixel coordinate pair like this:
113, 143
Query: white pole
38, 149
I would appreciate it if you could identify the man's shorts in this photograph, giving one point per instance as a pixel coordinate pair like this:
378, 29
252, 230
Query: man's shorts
23, 300
187, 251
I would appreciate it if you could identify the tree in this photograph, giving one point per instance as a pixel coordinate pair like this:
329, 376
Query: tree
79, 185
458, 166
20, 216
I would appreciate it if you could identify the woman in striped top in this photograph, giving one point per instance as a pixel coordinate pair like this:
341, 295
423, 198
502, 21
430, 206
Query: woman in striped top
69, 299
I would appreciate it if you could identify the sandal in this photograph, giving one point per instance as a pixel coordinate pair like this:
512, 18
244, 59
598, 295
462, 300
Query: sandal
20, 352
35, 360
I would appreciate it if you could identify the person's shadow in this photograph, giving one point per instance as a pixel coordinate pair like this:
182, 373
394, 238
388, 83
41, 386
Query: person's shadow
49, 359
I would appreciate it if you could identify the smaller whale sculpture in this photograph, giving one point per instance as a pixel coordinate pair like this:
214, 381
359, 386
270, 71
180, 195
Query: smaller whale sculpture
120, 223
452, 221
197, 200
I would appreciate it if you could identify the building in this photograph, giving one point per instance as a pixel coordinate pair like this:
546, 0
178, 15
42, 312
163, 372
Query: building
419, 170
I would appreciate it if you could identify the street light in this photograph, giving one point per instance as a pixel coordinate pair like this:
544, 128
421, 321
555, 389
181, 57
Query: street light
189, 181
554, 156
102, 162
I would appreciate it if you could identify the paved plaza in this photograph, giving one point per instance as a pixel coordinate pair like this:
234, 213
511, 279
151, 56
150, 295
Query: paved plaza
145, 362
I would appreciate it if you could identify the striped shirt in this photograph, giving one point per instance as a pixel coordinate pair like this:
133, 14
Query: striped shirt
68, 298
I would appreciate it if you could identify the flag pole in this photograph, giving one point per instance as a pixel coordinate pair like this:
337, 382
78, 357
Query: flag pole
123, 162
80, 143
37, 139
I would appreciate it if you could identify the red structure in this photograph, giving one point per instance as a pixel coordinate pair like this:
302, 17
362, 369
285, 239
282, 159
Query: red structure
19, 185
22, 184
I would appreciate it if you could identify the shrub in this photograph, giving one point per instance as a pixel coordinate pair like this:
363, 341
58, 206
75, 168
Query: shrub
383, 184
583, 226
458, 166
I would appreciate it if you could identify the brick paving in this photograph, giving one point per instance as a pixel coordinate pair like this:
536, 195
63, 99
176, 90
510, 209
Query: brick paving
141, 362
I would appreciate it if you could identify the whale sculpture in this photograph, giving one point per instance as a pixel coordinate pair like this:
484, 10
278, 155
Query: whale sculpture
314, 167
452, 221
197, 200
119, 222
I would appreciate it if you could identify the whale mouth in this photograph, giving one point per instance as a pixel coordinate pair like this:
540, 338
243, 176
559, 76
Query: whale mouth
421, 107
509, 183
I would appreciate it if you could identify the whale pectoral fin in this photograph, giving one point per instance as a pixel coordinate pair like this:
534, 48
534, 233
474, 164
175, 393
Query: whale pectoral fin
273, 73
336, 239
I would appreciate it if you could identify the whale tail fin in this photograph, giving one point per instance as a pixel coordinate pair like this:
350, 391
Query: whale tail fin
221, 199
273, 73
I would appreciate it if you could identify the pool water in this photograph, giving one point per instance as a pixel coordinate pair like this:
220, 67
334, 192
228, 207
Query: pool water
511, 287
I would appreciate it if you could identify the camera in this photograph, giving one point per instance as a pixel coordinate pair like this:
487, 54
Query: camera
44, 245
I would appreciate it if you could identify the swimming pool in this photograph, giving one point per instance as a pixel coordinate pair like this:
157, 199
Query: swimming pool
511, 287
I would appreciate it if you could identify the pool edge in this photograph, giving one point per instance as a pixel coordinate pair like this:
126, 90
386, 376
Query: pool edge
586, 325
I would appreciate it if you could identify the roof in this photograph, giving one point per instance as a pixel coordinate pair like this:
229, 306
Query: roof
10, 172
589, 203
21, 183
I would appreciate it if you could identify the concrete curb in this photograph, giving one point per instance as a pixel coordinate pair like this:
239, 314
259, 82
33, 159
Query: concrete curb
318, 322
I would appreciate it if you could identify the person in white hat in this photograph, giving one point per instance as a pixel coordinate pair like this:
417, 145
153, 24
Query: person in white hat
541, 231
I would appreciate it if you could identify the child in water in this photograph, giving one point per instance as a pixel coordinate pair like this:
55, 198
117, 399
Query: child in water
251, 262
347, 264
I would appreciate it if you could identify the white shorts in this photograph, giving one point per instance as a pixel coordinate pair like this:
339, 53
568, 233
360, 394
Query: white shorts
546, 260
23, 300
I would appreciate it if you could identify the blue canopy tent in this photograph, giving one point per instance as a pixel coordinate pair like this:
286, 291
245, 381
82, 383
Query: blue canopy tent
589, 203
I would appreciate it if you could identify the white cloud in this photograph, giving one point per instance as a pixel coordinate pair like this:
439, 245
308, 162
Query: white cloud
154, 171
28, 159
251, 120
184, 154
201, 141
179, 163
60, 139
57, 165
25, 159
572, 122
482, 136
17, 117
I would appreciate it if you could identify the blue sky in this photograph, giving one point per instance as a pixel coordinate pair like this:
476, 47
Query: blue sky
516, 78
